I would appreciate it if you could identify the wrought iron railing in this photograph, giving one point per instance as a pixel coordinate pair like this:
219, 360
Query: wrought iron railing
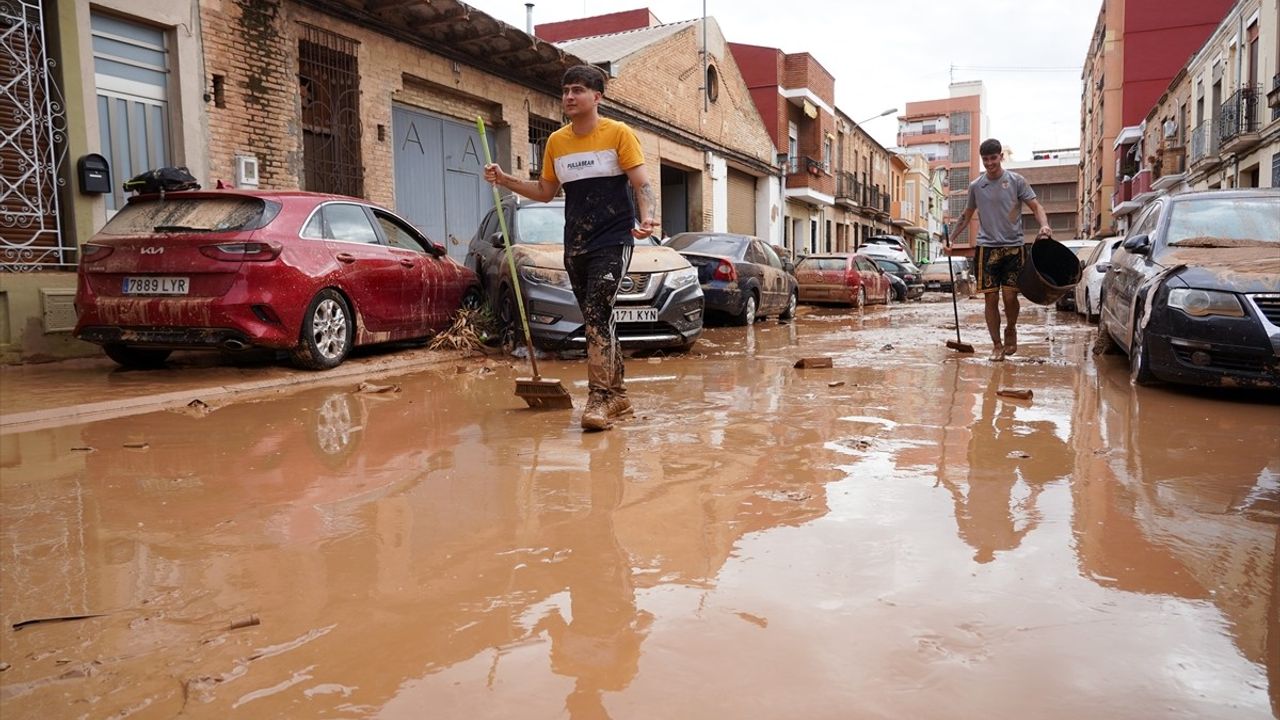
847, 186
1204, 141
1239, 114
1275, 88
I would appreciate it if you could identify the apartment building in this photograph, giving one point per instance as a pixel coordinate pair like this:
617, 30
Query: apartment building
920, 206
1137, 47
948, 132
1054, 176
1217, 124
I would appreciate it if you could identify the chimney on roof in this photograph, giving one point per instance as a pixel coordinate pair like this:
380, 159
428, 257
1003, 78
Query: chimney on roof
528, 18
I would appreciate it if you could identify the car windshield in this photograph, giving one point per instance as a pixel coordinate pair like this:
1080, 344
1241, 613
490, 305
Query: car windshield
540, 225
937, 266
726, 245
822, 263
208, 214
1224, 222
1084, 252
891, 242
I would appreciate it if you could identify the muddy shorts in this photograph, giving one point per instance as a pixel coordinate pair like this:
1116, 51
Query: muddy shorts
999, 266
595, 278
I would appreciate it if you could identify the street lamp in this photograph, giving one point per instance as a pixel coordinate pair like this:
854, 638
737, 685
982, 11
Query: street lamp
890, 111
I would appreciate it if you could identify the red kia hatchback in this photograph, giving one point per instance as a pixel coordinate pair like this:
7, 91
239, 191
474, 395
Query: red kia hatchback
312, 274
845, 278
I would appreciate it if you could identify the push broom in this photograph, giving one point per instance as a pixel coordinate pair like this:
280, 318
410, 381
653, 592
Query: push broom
961, 347
539, 392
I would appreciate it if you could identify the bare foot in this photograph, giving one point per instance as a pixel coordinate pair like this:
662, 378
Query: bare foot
1010, 341
997, 354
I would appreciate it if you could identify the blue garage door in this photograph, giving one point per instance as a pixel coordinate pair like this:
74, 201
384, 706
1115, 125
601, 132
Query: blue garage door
440, 185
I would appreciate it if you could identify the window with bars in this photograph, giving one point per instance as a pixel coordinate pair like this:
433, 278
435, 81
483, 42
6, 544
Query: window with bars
960, 178
960, 151
329, 84
540, 129
959, 123
957, 203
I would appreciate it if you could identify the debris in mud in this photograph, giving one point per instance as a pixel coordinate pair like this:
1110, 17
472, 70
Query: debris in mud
472, 329
813, 362
245, 622
1018, 454
4, 666
784, 495
888, 347
835, 384
1015, 393
368, 387
137, 445
60, 618
84, 449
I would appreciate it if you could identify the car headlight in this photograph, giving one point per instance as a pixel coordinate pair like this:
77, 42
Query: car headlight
1200, 303
682, 278
545, 276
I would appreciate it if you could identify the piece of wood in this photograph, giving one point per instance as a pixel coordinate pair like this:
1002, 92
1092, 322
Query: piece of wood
1019, 394
813, 362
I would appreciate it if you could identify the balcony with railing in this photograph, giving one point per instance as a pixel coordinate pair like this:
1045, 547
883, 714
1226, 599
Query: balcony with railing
1273, 97
848, 189
1238, 120
1204, 145
1170, 167
808, 180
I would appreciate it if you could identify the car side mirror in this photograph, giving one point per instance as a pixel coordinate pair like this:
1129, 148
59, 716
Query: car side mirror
1103, 267
1138, 244
496, 240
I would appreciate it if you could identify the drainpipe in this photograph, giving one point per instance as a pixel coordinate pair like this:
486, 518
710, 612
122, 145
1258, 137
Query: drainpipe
528, 18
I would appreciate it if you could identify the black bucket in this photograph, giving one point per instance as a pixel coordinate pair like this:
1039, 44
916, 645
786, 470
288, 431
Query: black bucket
1050, 271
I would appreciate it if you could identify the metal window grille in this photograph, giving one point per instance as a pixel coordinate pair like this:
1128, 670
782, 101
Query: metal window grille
32, 146
539, 130
959, 123
960, 151
329, 83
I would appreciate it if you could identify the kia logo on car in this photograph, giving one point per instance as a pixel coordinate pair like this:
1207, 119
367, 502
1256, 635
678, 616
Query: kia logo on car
627, 284
152, 250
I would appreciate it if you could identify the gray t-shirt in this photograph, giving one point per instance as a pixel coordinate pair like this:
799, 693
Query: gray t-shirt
999, 205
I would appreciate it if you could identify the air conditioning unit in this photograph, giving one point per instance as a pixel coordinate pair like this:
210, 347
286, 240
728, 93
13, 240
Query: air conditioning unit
246, 171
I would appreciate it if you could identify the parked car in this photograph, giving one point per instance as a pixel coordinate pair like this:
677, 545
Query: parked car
893, 247
741, 276
1082, 248
1088, 291
912, 280
787, 263
1193, 292
844, 278
659, 304
937, 276
312, 274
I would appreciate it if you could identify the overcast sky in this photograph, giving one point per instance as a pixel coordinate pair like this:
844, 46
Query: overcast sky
884, 53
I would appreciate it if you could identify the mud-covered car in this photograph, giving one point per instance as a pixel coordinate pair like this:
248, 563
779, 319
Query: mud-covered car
659, 305
1193, 292
742, 277
304, 272
937, 277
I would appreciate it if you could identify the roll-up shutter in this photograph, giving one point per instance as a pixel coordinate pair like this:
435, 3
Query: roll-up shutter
742, 203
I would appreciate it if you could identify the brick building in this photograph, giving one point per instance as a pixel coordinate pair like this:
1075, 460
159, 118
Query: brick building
1054, 175
1137, 47
948, 132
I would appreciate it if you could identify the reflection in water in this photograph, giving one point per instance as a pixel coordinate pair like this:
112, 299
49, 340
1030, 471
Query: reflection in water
1003, 451
600, 645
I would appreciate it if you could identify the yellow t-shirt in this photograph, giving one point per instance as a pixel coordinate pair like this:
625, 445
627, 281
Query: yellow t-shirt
598, 209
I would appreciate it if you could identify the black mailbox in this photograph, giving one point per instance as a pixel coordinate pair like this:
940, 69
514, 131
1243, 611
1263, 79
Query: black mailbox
95, 174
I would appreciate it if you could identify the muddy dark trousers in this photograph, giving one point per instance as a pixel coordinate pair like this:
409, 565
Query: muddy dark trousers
595, 277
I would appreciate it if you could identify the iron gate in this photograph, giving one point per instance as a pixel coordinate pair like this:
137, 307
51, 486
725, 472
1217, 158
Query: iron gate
329, 81
32, 145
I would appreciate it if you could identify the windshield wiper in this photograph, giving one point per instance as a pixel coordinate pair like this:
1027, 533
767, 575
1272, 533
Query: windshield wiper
181, 228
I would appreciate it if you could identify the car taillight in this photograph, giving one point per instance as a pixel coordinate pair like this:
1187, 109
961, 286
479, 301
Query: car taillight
726, 271
92, 252
243, 251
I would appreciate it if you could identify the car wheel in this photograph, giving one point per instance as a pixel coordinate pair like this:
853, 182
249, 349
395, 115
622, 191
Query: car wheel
887, 291
790, 312
1139, 358
327, 331
748, 314
1090, 313
861, 302
136, 357
473, 299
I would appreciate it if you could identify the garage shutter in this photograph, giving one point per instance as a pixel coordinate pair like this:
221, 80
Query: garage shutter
742, 203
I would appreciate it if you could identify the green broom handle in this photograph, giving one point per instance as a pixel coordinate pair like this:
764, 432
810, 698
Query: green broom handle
506, 242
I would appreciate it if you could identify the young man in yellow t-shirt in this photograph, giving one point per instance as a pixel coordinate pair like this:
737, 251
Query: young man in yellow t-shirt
594, 159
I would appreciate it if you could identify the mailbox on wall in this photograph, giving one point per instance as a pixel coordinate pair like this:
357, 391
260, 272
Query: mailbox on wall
95, 174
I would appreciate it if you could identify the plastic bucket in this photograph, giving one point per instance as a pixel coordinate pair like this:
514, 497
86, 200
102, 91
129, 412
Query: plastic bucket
1050, 271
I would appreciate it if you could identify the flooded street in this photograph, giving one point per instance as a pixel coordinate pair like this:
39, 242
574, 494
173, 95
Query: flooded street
888, 538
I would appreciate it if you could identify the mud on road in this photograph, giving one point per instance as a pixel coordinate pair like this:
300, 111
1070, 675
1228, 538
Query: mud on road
886, 538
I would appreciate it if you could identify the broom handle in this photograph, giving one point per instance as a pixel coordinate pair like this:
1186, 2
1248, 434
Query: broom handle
955, 308
506, 243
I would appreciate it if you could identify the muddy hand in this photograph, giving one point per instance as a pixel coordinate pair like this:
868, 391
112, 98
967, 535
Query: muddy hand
647, 228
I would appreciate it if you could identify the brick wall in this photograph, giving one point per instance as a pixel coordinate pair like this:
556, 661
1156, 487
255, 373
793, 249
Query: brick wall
254, 44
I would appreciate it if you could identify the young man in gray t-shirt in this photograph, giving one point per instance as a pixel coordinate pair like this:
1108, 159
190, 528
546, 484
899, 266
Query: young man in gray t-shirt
998, 196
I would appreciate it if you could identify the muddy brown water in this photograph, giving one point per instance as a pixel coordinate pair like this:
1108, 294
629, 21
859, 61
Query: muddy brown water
759, 542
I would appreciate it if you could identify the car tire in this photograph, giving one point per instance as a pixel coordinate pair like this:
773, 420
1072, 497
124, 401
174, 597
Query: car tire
748, 314
861, 300
1089, 313
888, 293
790, 312
136, 357
472, 299
1139, 358
327, 332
